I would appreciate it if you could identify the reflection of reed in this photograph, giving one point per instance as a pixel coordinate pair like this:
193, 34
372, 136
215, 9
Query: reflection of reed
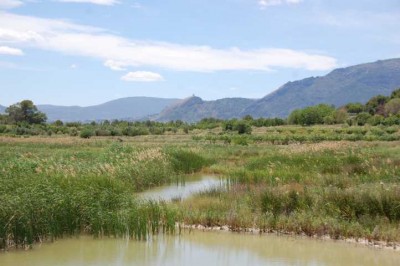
199, 248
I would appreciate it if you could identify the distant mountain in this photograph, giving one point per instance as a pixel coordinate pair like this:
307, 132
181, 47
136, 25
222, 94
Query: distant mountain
194, 109
351, 84
2, 109
131, 108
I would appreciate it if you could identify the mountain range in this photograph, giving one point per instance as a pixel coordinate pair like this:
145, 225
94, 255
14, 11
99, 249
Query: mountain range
351, 84
130, 108
343, 85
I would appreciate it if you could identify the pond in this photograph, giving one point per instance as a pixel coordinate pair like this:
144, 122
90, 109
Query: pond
200, 248
196, 247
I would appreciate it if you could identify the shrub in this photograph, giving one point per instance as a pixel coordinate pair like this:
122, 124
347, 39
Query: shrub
362, 118
103, 132
73, 132
86, 133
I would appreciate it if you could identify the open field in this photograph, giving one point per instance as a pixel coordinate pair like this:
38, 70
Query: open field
57, 186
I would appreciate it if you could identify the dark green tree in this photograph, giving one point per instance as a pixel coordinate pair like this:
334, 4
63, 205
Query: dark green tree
376, 105
25, 111
395, 94
243, 128
362, 118
354, 108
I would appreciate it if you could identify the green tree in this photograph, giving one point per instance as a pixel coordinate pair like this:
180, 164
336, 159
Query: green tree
392, 107
58, 123
395, 94
295, 117
375, 120
243, 128
354, 108
25, 111
311, 115
362, 118
376, 105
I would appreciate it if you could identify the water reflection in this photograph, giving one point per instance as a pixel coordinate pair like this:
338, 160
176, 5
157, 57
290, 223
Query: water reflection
200, 248
183, 190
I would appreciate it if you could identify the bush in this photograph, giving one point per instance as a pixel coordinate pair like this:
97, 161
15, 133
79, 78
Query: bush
240, 140
102, 132
86, 133
243, 128
362, 118
73, 132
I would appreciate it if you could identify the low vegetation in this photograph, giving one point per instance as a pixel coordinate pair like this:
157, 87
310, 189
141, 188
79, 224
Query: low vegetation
339, 180
340, 189
52, 190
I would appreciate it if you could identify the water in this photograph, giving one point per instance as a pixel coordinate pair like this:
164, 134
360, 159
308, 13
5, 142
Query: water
182, 190
200, 248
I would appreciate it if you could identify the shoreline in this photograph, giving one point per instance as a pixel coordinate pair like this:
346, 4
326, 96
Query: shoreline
375, 244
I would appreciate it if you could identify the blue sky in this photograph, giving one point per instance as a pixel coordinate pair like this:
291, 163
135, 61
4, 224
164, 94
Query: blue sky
85, 52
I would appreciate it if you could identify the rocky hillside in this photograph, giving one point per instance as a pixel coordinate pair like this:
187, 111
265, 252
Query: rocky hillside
351, 84
194, 109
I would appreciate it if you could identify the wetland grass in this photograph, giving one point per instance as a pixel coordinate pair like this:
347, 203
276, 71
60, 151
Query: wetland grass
349, 189
48, 191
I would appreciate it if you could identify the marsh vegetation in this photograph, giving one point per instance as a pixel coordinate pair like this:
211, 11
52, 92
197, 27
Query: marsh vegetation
58, 186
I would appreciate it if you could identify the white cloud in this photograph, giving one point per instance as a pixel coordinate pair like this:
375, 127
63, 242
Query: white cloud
266, 3
142, 76
73, 66
10, 4
96, 2
114, 65
119, 53
5, 50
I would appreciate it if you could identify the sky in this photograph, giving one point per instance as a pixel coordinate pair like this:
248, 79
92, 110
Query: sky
86, 52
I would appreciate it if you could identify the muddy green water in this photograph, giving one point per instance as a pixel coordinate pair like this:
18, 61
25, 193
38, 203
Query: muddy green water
200, 248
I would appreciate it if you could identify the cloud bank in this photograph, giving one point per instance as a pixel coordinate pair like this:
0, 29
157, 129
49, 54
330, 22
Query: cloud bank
119, 53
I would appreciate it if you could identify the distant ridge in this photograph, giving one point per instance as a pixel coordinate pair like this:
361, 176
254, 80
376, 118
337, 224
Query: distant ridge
193, 109
130, 108
343, 85
2, 109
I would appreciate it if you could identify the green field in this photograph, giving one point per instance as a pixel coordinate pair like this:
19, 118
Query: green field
288, 179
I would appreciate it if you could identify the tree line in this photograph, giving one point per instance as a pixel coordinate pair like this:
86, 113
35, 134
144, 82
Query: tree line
379, 110
24, 118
